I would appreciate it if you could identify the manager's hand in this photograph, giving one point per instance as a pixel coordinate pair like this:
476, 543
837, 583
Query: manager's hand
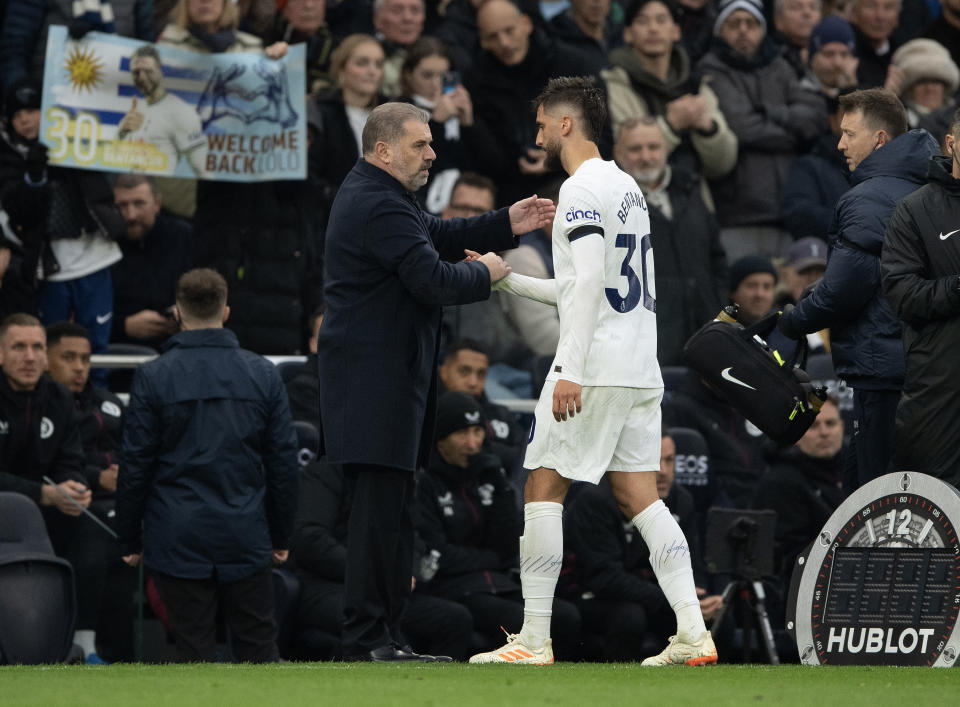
530, 214
496, 265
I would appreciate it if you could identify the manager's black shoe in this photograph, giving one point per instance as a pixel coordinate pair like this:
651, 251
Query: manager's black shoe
391, 653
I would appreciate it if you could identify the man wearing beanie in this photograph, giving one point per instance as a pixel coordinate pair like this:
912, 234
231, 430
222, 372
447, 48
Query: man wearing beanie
468, 513
752, 282
832, 57
774, 119
887, 164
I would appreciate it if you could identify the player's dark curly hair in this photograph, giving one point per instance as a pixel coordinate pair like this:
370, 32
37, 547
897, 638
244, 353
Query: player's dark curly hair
581, 93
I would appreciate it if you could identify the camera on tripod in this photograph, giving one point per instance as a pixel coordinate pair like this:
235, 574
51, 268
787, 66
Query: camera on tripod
740, 542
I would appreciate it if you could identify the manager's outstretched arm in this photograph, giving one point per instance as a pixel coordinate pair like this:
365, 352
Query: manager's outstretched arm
535, 288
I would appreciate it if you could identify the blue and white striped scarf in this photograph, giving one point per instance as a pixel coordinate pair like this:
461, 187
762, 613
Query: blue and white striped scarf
98, 13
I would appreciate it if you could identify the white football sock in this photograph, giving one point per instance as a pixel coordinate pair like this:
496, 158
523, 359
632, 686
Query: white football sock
541, 555
670, 559
87, 640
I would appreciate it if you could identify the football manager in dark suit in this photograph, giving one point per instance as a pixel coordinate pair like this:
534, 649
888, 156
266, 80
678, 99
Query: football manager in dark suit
390, 268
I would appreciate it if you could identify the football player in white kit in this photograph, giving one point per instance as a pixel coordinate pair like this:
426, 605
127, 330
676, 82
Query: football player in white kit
599, 411
163, 120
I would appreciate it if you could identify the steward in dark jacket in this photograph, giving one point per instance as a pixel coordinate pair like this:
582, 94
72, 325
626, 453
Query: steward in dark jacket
865, 334
209, 460
920, 267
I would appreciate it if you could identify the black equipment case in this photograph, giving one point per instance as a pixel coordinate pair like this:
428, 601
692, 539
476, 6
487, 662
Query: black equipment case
736, 362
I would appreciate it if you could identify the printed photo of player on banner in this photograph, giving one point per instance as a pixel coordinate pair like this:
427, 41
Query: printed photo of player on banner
120, 105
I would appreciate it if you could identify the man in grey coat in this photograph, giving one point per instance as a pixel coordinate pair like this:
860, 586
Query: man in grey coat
774, 119
388, 276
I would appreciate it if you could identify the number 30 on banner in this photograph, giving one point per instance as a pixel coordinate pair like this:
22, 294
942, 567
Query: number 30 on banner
82, 144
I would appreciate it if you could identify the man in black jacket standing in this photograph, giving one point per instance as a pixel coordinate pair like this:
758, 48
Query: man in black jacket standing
378, 347
920, 270
887, 163
210, 470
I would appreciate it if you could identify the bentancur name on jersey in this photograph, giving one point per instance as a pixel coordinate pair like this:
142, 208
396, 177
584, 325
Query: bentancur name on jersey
630, 199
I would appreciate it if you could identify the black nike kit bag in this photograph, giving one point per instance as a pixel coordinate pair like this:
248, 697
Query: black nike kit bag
735, 361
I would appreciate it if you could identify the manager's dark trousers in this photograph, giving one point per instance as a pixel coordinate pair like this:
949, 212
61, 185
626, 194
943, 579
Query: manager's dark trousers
379, 556
871, 444
247, 607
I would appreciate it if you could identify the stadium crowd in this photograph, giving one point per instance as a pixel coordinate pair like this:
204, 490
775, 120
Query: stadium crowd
728, 114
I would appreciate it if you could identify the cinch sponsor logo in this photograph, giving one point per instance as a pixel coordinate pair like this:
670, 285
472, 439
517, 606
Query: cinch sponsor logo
575, 214
877, 640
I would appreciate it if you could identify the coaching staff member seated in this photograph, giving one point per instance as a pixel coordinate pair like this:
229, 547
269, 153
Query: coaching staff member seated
210, 470
386, 281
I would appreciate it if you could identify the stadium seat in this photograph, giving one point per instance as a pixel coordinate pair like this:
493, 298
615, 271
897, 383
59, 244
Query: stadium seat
308, 442
37, 597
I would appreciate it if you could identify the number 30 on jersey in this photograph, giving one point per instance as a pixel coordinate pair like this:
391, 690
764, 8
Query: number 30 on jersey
638, 289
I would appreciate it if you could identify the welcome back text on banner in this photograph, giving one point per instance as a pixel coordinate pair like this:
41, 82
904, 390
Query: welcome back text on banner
119, 105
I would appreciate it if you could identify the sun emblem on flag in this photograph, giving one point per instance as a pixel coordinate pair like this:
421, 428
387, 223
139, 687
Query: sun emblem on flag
85, 69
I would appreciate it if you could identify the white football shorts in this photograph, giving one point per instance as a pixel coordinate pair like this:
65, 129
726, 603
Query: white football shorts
617, 430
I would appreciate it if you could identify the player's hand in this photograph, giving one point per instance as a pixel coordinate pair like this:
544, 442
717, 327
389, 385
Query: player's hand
496, 265
148, 324
132, 121
530, 214
277, 50
566, 400
534, 162
108, 478
134, 559
280, 556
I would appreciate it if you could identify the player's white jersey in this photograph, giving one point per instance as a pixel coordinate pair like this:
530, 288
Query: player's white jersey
601, 199
172, 126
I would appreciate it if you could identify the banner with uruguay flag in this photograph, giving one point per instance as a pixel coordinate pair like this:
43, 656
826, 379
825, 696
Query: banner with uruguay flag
119, 105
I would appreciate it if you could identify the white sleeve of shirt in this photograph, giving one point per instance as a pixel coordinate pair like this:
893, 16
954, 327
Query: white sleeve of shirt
581, 321
535, 288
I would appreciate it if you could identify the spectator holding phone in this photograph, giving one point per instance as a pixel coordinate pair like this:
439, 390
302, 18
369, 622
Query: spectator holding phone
461, 140
156, 252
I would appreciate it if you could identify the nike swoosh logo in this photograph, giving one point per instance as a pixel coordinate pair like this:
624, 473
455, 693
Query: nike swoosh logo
725, 374
104, 318
945, 237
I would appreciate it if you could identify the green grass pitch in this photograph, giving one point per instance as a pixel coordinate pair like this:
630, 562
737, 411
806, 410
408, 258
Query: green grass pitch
317, 684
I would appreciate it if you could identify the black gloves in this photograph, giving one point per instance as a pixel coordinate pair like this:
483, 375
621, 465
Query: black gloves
786, 326
36, 161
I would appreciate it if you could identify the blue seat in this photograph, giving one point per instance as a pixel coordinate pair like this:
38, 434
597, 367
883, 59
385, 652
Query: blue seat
38, 607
